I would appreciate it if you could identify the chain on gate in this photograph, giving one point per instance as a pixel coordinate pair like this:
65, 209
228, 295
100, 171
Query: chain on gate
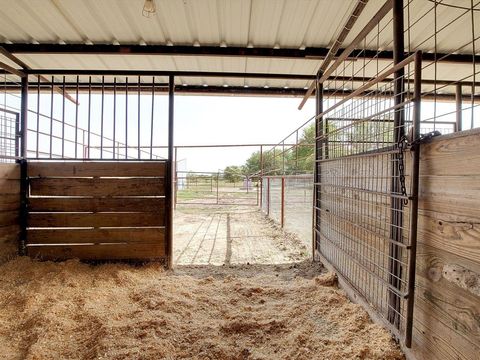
403, 145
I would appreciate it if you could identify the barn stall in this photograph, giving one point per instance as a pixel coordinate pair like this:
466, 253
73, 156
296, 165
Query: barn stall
87, 179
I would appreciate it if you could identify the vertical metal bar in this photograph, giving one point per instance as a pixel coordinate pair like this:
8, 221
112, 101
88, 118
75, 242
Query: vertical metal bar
63, 117
176, 176
458, 103
101, 114
18, 135
126, 118
268, 196
318, 151
22, 249
261, 176
138, 120
396, 212
76, 119
87, 154
282, 209
218, 178
114, 114
414, 199
168, 182
51, 116
24, 117
38, 116
151, 123
23, 167
296, 151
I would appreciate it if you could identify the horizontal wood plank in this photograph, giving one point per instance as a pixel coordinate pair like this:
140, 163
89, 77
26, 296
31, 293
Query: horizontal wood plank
9, 187
9, 233
9, 202
451, 156
9, 218
98, 252
138, 204
95, 219
97, 187
451, 232
74, 236
97, 169
10, 171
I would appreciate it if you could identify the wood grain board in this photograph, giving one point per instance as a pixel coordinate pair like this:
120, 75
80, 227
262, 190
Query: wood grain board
97, 169
97, 187
96, 210
9, 209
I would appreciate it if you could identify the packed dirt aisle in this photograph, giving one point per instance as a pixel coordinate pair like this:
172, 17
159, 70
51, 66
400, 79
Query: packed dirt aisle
229, 235
71, 310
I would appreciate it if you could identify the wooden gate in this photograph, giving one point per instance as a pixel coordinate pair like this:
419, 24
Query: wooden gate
97, 210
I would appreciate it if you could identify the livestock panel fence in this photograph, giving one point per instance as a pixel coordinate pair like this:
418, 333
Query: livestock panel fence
288, 201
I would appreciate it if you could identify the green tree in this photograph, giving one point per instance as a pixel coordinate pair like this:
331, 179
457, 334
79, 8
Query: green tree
233, 173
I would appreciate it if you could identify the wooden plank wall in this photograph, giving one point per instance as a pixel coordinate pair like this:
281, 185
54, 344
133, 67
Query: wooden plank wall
447, 302
9, 210
96, 210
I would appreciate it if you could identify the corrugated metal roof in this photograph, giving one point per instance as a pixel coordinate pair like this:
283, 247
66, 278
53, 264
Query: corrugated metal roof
257, 23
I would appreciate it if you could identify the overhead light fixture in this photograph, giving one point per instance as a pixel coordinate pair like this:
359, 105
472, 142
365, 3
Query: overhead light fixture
149, 8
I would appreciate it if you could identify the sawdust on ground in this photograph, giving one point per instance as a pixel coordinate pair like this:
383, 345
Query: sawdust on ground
72, 310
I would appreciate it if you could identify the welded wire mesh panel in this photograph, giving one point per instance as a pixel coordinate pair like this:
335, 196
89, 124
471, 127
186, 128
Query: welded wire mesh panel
298, 207
9, 138
275, 210
363, 185
215, 188
264, 201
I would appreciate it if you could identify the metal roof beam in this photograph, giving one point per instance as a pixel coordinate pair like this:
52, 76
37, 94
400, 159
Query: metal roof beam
25, 69
235, 51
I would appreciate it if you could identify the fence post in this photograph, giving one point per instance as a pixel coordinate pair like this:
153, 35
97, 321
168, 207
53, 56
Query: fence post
268, 196
218, 175
282, 209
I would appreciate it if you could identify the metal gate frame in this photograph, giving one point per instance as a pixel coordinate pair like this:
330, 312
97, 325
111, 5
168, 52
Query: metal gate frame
397, 319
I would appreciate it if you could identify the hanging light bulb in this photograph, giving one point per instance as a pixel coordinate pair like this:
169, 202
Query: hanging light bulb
149, 8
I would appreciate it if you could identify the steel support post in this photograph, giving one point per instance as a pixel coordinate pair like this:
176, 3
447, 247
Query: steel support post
261, 176
396, 213
414, 200
318, 150
282, 208
23, 167
458, 104
169, 175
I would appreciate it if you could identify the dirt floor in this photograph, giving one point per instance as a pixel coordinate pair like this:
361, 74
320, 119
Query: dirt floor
72, 310
226, 235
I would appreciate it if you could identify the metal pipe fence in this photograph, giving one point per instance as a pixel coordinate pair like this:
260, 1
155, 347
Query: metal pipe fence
214, 188
288, 201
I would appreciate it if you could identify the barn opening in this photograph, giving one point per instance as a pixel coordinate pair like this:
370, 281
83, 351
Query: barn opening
377, 185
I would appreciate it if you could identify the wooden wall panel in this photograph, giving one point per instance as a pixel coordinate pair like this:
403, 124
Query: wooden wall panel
447, 302
96, 210
9, 210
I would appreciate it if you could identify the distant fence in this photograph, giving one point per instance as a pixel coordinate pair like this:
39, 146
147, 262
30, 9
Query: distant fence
288, 201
